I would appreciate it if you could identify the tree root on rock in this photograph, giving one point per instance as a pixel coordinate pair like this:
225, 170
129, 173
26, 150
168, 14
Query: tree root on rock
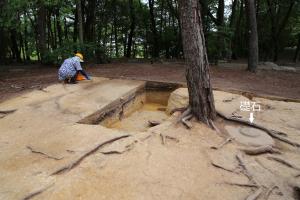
178, 110
297, 175
164, 137
284, 162
222, 167
242, 163
42, 153
3, 113
223, 143
261, 150
275, 134
185, 121
153, 123
34, 194
81, 158
269, 191
185, 116
242, 184
212, 124
255, 195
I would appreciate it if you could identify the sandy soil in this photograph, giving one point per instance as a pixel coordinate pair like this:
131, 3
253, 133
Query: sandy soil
45, 154
17, 79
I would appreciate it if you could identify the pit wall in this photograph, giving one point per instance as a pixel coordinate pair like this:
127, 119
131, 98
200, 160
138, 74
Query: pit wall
134, 100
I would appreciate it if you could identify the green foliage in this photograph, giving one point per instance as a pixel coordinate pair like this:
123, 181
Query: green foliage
111, 28
89, 50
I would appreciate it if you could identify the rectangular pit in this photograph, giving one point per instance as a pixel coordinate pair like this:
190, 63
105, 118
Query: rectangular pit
133, 111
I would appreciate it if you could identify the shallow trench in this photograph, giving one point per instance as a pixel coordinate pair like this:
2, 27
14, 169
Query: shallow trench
135, 111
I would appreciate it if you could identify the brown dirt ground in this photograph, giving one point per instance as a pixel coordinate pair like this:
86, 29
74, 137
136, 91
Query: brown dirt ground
18, 79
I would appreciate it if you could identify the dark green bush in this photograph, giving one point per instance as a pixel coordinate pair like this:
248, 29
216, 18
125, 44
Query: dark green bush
91, 52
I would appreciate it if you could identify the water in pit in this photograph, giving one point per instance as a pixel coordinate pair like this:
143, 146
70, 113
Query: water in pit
149, 106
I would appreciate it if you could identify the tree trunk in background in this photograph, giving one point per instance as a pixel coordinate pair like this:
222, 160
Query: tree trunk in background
253, 38
2, 36
75, 26
201, 98
26, 43
132, 28
116, 37
297, 50
276, 26
155, 50
116, 31
220, 24
2, 45
14, 45
233, 13
66, 29
220, 13
282, 25
41, 29
80, 21
51, 37
22, 48
237, 32
58, 27
89, 31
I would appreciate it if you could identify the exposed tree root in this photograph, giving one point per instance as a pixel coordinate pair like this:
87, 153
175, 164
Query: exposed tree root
242, 184
242, 163
255, 195
284, 162
81, 158
172, 138
42, 153
223, 143
34, 194
164, 137
185, 113
222, 167
185, 116
5, 112
269, 191
275, 134
185, 121
261, 150
153, 123
112, 152
297, 175
212, 124
178, 110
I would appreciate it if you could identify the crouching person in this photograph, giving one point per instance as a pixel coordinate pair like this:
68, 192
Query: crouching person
71, 68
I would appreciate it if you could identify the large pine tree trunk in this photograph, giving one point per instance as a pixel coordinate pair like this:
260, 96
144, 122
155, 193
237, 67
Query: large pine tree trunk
197, 75
253, 38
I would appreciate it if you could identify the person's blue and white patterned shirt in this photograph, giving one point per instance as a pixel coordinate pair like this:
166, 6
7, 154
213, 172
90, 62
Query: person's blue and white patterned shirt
69, 68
